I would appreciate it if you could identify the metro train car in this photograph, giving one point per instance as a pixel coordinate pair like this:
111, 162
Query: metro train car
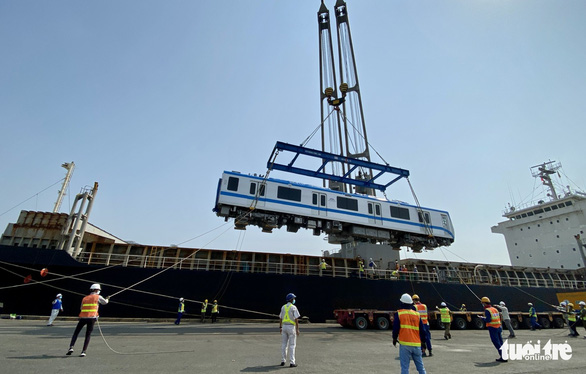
272, 203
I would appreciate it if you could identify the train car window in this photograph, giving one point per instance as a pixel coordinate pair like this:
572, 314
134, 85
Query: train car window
402, 213
262, 188
314, 199
323, 200
233, 183
444, 221
252, 188
348, 204
377, 209
427, 220
287, 193
369, 208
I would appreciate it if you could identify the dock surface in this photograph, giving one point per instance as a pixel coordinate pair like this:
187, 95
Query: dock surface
28, 346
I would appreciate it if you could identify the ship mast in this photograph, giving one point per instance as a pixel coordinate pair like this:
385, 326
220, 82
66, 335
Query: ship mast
69, 166
544, 171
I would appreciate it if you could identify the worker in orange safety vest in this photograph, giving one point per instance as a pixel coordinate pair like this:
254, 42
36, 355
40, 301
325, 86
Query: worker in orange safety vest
408, 331
88, 317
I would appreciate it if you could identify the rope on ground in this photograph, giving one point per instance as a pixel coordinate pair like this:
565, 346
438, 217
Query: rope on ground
135, 353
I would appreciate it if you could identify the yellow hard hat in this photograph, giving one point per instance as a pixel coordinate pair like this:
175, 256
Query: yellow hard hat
415, 297
485, 300
571, 304
215, 301
206, 300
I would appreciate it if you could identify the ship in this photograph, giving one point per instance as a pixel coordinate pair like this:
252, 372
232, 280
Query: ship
44, 253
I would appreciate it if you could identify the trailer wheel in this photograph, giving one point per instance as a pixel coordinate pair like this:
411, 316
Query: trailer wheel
477, 323
558, 322
460, 323
515, 324
545, 323
382, 323
361, 323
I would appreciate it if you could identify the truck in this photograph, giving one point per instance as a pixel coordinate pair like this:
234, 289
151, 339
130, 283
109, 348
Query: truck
362, 319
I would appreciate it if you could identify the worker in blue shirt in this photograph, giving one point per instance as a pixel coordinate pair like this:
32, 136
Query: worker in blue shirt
180, 310
57, 307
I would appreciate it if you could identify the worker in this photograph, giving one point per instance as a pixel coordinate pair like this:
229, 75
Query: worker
57, 307
506, 318
204, 308
446, 318
463, 308
572, 320
563, 308
408, 331
582, 314
372, 266
88, 317
289, 329
360, 269
493, 323
180, 310
215, 311
322, 267
422, 309
533, 317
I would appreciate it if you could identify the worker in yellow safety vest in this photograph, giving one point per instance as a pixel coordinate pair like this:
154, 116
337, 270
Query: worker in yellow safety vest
204, 308
492, 319
572, 320
88, 317
361, 269
180, 310
289, 328
215, 311
409, 333
446, 319
422, 309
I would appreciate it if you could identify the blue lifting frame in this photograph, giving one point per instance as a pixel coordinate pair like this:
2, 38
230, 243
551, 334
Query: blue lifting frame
327, 157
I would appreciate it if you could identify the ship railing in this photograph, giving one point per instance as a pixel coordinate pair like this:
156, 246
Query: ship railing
448, 275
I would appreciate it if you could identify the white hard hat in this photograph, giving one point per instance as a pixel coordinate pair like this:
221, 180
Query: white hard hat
406, 299
581, 303
563, 303
502, 303
96, 286
181, 299
443, 304
532, 304
59, 295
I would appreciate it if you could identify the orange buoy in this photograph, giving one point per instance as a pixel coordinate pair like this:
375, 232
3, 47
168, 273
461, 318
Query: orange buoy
28, 278
44, 272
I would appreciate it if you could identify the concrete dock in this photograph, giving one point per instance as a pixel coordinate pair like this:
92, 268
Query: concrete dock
28, 346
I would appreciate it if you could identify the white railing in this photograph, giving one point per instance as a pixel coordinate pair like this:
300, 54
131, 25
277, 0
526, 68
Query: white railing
447, 275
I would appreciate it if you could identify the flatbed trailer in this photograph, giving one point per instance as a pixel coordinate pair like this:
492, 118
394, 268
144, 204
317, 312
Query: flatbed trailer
382, 319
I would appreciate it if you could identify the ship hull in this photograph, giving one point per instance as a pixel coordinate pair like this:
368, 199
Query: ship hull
240, 294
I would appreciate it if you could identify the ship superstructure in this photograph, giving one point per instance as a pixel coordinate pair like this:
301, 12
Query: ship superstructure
543, 234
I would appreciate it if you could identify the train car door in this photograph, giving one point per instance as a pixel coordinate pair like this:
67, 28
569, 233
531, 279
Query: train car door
257, 191
374, 213
318, 204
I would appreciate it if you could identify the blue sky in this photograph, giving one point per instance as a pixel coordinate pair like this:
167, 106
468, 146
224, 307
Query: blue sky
155, 99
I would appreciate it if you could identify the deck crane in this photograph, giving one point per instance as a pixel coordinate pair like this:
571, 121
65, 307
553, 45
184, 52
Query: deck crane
343, 131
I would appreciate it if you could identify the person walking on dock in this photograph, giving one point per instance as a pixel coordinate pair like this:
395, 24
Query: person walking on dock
204, 308
408, 331
180, 310
289, 328
533, 317
422, 309
446, 319
506, 318
492, 319
215, 311
57, 307
88, 317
